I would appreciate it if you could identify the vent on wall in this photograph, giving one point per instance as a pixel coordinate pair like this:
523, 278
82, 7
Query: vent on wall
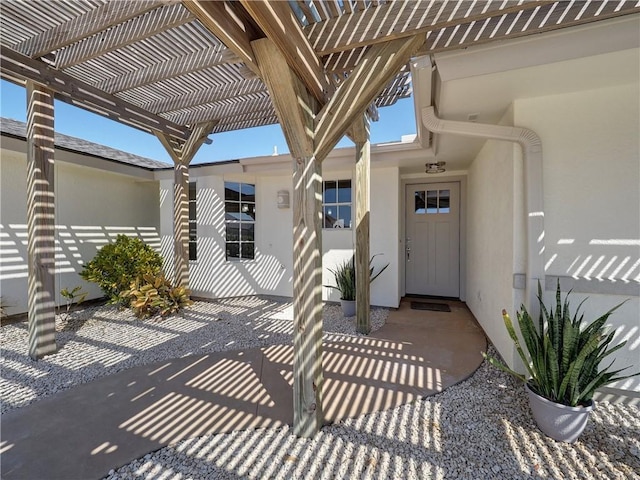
472, 117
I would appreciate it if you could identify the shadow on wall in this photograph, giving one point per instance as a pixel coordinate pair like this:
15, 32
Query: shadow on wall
212, 275
598, 259
606, 272
74, 245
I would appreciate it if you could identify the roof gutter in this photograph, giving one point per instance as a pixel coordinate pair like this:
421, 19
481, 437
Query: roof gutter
533, 189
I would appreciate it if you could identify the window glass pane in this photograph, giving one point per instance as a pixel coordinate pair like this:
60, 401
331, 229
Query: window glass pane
232, 211
192, 191
330, 194
432, 201
192, 251
344, 191
233, 250
248, 192
330, 215
233, 232
419, 202
231, 191
247, 231
443, 201
192, 210
344, 216
247, 250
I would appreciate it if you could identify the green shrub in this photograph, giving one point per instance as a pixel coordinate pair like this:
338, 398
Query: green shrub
155, 295
118, 264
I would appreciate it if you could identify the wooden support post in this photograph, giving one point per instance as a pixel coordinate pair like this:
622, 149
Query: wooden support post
307, 297
295, 108
181, 223
363, 291
40, 221
182, 153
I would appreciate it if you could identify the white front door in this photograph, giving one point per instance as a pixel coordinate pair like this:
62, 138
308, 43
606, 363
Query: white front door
432, 248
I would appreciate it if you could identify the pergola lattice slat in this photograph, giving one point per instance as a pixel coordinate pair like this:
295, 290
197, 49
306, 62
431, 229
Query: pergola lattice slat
157, 72
149, 24
401, 19
206, 97
81, 27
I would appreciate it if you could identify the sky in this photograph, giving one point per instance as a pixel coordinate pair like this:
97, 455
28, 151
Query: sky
395, 121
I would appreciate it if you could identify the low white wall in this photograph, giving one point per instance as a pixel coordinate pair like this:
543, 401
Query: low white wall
92, 208
271, 272
591, 149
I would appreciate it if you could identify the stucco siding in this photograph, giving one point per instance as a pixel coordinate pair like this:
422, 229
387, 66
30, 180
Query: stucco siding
271, 272
490, 240
591, 151
92, 208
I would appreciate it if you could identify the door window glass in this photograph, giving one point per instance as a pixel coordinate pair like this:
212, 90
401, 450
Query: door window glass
432, 201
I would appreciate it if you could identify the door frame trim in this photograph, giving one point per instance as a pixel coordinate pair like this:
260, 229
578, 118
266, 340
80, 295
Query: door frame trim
426, 179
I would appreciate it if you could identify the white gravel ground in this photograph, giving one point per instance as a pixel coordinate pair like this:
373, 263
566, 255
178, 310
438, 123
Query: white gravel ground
478, 429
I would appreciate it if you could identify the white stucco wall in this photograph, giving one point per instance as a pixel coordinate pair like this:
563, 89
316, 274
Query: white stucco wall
92, 208
591, 146
271, 272
491, 217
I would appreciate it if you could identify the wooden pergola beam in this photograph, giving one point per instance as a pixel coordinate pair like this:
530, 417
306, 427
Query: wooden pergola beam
156, 21
83, 26
172, 68
355, 94
279, 23
395, 20
83, 95
232, 28
295, 108
40, 221
182, 154
361, 137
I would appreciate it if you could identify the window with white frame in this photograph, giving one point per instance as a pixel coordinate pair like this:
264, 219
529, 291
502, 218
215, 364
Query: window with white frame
240, 219
193, 223
336, 204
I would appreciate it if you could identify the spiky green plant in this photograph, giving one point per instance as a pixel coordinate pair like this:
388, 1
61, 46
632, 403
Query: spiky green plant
564, 353
345, 277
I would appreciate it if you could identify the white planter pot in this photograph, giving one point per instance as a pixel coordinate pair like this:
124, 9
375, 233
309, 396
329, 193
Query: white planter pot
348, 307
560, 422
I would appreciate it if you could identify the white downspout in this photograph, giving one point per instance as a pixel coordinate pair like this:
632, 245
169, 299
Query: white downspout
532, 156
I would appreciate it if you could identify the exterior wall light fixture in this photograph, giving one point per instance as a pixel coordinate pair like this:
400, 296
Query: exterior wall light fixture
435, 167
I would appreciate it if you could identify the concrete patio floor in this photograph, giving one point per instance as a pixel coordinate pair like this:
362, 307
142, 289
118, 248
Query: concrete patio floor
86, 431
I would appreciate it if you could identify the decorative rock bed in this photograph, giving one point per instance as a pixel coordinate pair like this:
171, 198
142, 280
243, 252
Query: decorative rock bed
480, 428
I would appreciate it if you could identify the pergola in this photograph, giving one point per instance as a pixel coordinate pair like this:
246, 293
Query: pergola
184, 70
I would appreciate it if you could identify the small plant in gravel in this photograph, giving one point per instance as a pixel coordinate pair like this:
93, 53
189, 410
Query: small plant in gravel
118, 264
155, 295
75, 295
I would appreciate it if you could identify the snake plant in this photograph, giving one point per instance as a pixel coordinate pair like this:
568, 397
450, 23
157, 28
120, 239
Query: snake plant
563, 353
345, 277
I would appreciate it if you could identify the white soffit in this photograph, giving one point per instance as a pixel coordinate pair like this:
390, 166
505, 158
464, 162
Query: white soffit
566, 44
